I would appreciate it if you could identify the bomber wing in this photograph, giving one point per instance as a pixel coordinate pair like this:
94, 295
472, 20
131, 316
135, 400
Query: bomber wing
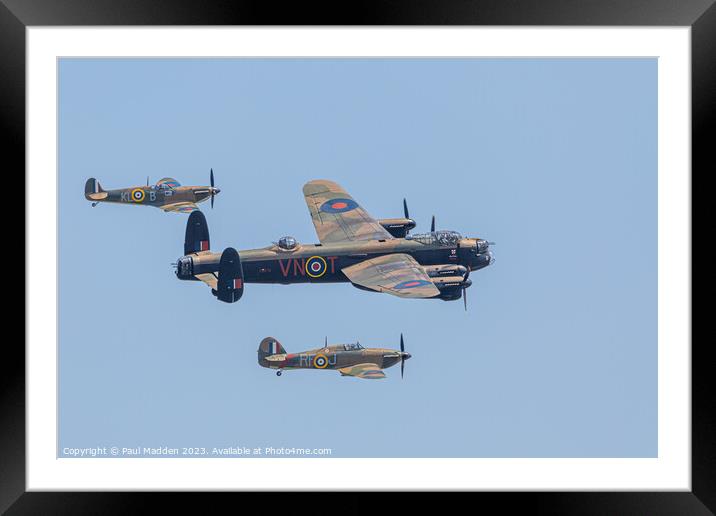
367, 371
337, 217
398, 274
180, 207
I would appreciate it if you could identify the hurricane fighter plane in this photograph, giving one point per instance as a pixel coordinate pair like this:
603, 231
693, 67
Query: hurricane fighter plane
166, 194
373, 255
347, 359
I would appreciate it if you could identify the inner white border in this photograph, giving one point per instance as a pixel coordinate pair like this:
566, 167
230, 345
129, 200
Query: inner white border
670, 471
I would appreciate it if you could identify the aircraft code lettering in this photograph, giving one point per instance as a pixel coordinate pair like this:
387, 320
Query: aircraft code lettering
306, 360
297, 266
125, 197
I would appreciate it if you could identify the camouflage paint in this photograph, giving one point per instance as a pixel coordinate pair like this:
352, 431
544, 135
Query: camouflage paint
166, 194
358, 362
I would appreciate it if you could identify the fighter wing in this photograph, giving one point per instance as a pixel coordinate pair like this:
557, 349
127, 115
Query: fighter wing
180, 207
398, 274
337, 217
368, 371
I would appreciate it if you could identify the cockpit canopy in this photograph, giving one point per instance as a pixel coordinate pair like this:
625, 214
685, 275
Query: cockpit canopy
167, 183
442, 238
287, 243
352, 347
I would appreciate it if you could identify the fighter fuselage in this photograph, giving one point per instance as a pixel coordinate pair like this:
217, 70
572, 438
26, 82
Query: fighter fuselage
332, 357
152, 196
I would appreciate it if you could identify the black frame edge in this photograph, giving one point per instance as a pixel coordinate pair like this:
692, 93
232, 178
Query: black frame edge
703, 124
700, 14
12, 379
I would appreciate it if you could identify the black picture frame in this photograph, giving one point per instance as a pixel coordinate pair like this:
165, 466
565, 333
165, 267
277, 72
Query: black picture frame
700, 15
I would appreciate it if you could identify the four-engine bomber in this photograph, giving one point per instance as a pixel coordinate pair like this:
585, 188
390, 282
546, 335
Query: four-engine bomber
374, 255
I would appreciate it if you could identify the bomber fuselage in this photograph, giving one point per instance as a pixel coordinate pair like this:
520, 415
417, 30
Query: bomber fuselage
322, 263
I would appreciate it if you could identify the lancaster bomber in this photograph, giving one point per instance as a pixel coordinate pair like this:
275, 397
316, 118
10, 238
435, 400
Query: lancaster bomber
373, 255
347, 359
166, 194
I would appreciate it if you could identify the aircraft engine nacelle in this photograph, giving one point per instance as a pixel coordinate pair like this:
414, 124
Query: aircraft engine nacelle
451, 287
452, 294
442, 271
398, 228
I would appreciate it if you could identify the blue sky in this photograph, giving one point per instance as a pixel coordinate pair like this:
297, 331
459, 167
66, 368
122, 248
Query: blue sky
553, 159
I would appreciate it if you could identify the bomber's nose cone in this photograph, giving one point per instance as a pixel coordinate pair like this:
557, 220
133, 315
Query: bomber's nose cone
406, 356
216, 190
490, 257
481, 246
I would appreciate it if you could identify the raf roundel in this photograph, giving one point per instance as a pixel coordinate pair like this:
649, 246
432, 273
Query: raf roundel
316, 266
412, 284
320, 361
338, 205
137, 195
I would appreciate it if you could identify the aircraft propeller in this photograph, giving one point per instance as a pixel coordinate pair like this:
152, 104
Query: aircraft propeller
213, 192
403, 355
432, 225
465, 285
407, 215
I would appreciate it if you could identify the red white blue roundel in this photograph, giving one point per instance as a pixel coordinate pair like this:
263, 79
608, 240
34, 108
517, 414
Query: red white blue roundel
315, 266
338, 205
412, 284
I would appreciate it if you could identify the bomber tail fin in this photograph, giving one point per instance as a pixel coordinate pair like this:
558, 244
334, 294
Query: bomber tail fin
94, 191
196, 237
230, 280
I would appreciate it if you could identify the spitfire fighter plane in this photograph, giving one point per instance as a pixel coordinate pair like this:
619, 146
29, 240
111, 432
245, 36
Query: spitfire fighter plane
374, 255
166, 194
347, 359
